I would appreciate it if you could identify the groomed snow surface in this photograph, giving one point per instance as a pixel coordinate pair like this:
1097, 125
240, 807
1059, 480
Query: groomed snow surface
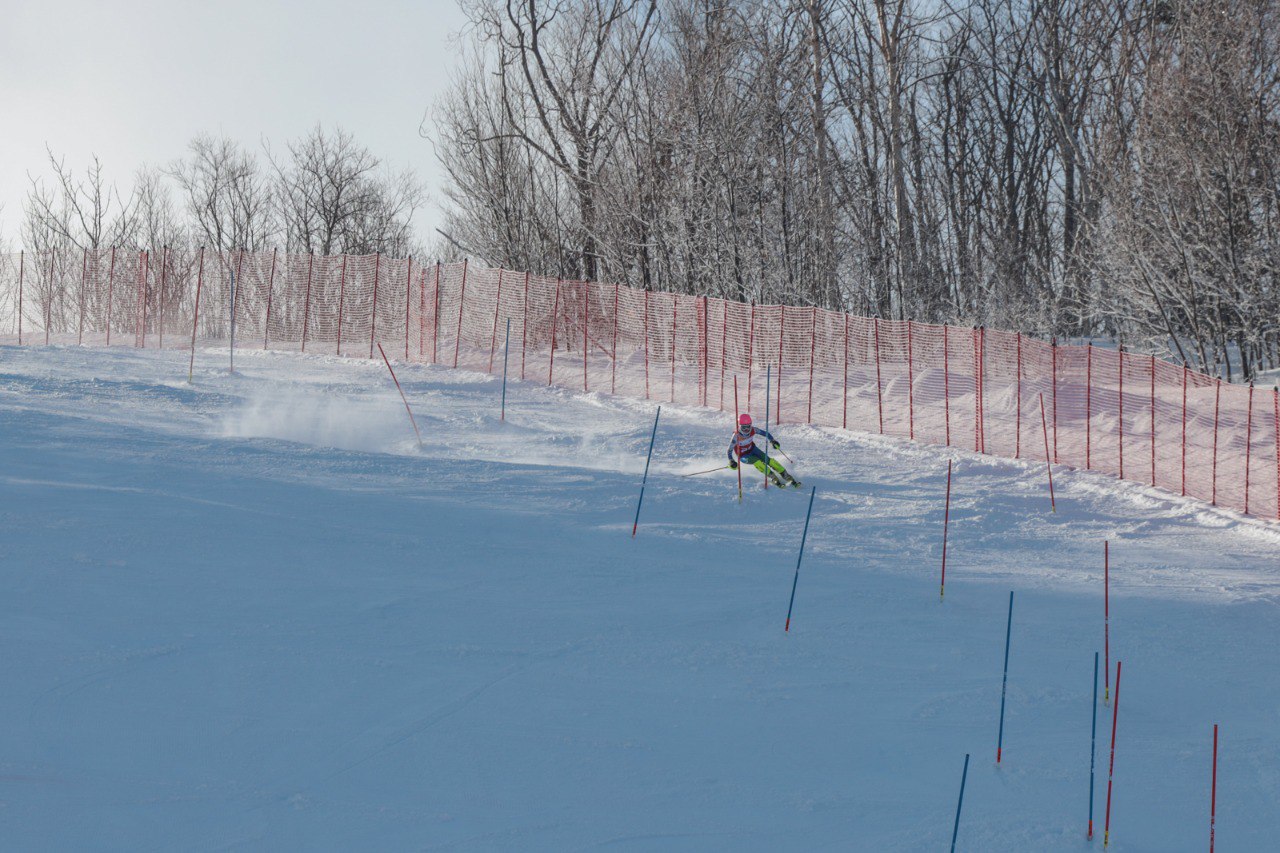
250, 614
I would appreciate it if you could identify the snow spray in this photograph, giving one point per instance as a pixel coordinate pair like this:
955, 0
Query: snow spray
813, 491
645, 480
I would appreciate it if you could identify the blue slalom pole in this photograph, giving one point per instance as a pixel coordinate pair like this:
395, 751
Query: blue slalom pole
654, 435
803, 537
963, 776
1005, 681
1093, 741
506, 350
768, 375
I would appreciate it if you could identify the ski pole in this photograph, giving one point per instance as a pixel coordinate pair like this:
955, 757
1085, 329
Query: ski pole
708, 471
785, 456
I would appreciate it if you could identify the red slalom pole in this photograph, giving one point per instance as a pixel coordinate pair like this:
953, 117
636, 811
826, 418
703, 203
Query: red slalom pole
1044, 425
1115, 716
735, 430
1213, 791
402, 396
946, 522
1106, 623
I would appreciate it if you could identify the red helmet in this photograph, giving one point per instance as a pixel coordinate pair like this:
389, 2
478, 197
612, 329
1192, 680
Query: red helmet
744, 420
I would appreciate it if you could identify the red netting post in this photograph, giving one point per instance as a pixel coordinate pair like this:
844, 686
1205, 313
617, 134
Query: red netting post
1185, 373
946, 382
164, 269
1088, 405
751, 342
813, 339
704, 352
875, 330
373, 314
1275, 402
586, 329
724, 343
462, 304
1120, 405
342, 293
84, 272
48, 302
844, 406
422, 312
140, 305
1248, 447
408, 302
1217, 396
1153, 421
493, 337
1053, 360
613, 369
306, 306
195, 319
782, 327
646, 344
524, 325
555, 312
977, 395
111, 281
271, 278
435, 319
675, 311
22, 267
1017, 426
911, 387
982, 387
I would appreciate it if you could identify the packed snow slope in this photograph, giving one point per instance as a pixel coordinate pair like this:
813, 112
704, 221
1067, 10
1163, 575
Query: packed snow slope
249, 613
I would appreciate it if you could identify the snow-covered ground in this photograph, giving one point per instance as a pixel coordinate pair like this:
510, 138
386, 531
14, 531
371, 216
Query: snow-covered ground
250, 613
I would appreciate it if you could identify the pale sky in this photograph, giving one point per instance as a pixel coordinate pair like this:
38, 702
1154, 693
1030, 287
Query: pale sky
133, 81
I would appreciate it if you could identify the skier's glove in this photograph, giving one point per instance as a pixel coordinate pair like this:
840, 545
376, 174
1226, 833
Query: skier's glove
776, 445
733, 466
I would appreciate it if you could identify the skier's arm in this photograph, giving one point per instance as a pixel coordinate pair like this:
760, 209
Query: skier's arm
771, 439
732, 444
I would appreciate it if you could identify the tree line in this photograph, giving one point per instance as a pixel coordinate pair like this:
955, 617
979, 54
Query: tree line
1062, 167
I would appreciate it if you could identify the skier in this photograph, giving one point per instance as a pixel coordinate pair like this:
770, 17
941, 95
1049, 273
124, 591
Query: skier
743, 446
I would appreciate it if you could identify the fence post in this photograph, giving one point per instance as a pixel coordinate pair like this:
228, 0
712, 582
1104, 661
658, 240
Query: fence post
555, 312
1120, 404
111, 281
48, 302
1248, 447
844, 416
84, 271
497, 304
1275, 402
271, 280
724, 344
462, 305
977, 394
613, 370
1217, 396
435, 318
875, 329
1088, 405
813, 339
140, 305
646, 343
705, 349
524, 325
342, 293
675, 311
408, 301
306, 307
946, 381
195, 320
586, 336
164, 270
1053, 361
911, 385
751, 342
1017, 428
782, 331
22, 267
422, 313
373, 314
1153, 421
1185, 372
982, 387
